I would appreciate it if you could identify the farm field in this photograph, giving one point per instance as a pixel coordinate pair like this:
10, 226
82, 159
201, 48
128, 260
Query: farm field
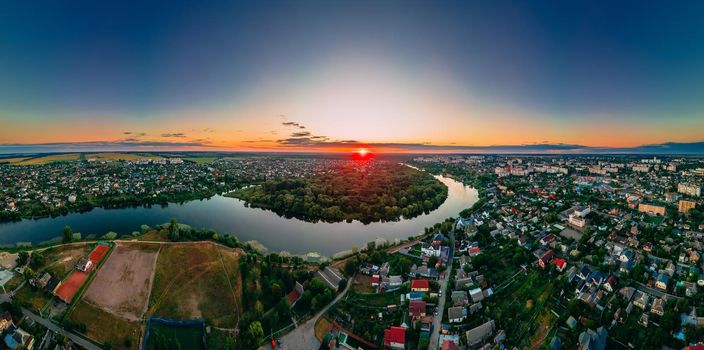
49, 159
123, 283
201, 160
120, 156
197, 281
13, 160
105, 327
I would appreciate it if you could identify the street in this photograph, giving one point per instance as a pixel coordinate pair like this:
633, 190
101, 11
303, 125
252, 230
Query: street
437, 320
303, 337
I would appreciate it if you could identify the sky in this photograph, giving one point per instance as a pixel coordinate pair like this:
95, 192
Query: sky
397, 76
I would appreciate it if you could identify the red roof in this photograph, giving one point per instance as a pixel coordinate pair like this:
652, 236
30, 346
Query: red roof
376, 279
420, 284
395, 335
449, 345
416, 307
695, 347
560, 263
473, 250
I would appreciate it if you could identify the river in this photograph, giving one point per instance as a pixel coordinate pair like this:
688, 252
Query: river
230, 215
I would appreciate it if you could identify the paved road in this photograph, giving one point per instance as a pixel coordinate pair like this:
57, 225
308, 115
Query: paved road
303, 337
57, 329
437, 320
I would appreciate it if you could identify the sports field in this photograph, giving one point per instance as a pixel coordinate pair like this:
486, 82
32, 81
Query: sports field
162, 335
123, 283
71, 285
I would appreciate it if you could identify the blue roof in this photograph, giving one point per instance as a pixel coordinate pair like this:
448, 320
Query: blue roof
10, 341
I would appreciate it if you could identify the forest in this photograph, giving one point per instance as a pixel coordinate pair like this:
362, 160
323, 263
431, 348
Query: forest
364, 191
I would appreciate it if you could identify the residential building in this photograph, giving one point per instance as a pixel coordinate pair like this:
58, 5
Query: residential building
690, 189
456, 314
395, 338
651, 209
478, 334
685, 206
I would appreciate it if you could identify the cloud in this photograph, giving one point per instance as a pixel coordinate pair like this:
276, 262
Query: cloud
129, 144
300, 134
135, 133
294, 124
176, 134
255, 141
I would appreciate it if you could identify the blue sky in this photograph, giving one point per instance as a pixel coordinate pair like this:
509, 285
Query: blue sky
631, 67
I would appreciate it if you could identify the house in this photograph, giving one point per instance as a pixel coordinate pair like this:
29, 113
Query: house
560, 264
547, 239
626, 256
546, 258
663, 280
416, 295
584, 272
597, 278
593, 340
456, 314
641, 300
429, 250
459, 298
18, 338
658, 307
5, 321
376, 280
476, 295
437, 241
395, 338
420, 285
448, 344
611, 284
474, 250
392, 282
478, 334
84, 264
416, 308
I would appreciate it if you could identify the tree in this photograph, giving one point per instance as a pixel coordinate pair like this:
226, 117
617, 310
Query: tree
68, 234
28, 273
256, 333
174, 235
22, 258
342, 284
38, 260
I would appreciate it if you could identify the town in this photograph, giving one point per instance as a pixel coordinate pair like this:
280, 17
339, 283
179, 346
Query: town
559, 252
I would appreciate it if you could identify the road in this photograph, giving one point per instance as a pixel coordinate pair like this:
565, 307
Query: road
437, 320
57, 329
303, 337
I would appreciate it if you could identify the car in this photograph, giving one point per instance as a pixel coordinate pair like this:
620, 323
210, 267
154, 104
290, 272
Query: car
440, 294
436, 312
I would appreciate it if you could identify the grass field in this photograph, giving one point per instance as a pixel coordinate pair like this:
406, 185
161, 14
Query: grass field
120, 156
13, 160
61, 260
50, 159
220, 340
187, 337
106, 328
193, 281
322, 327
202, 160
33, 298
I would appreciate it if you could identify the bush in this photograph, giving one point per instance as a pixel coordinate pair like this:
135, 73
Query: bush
110, 235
